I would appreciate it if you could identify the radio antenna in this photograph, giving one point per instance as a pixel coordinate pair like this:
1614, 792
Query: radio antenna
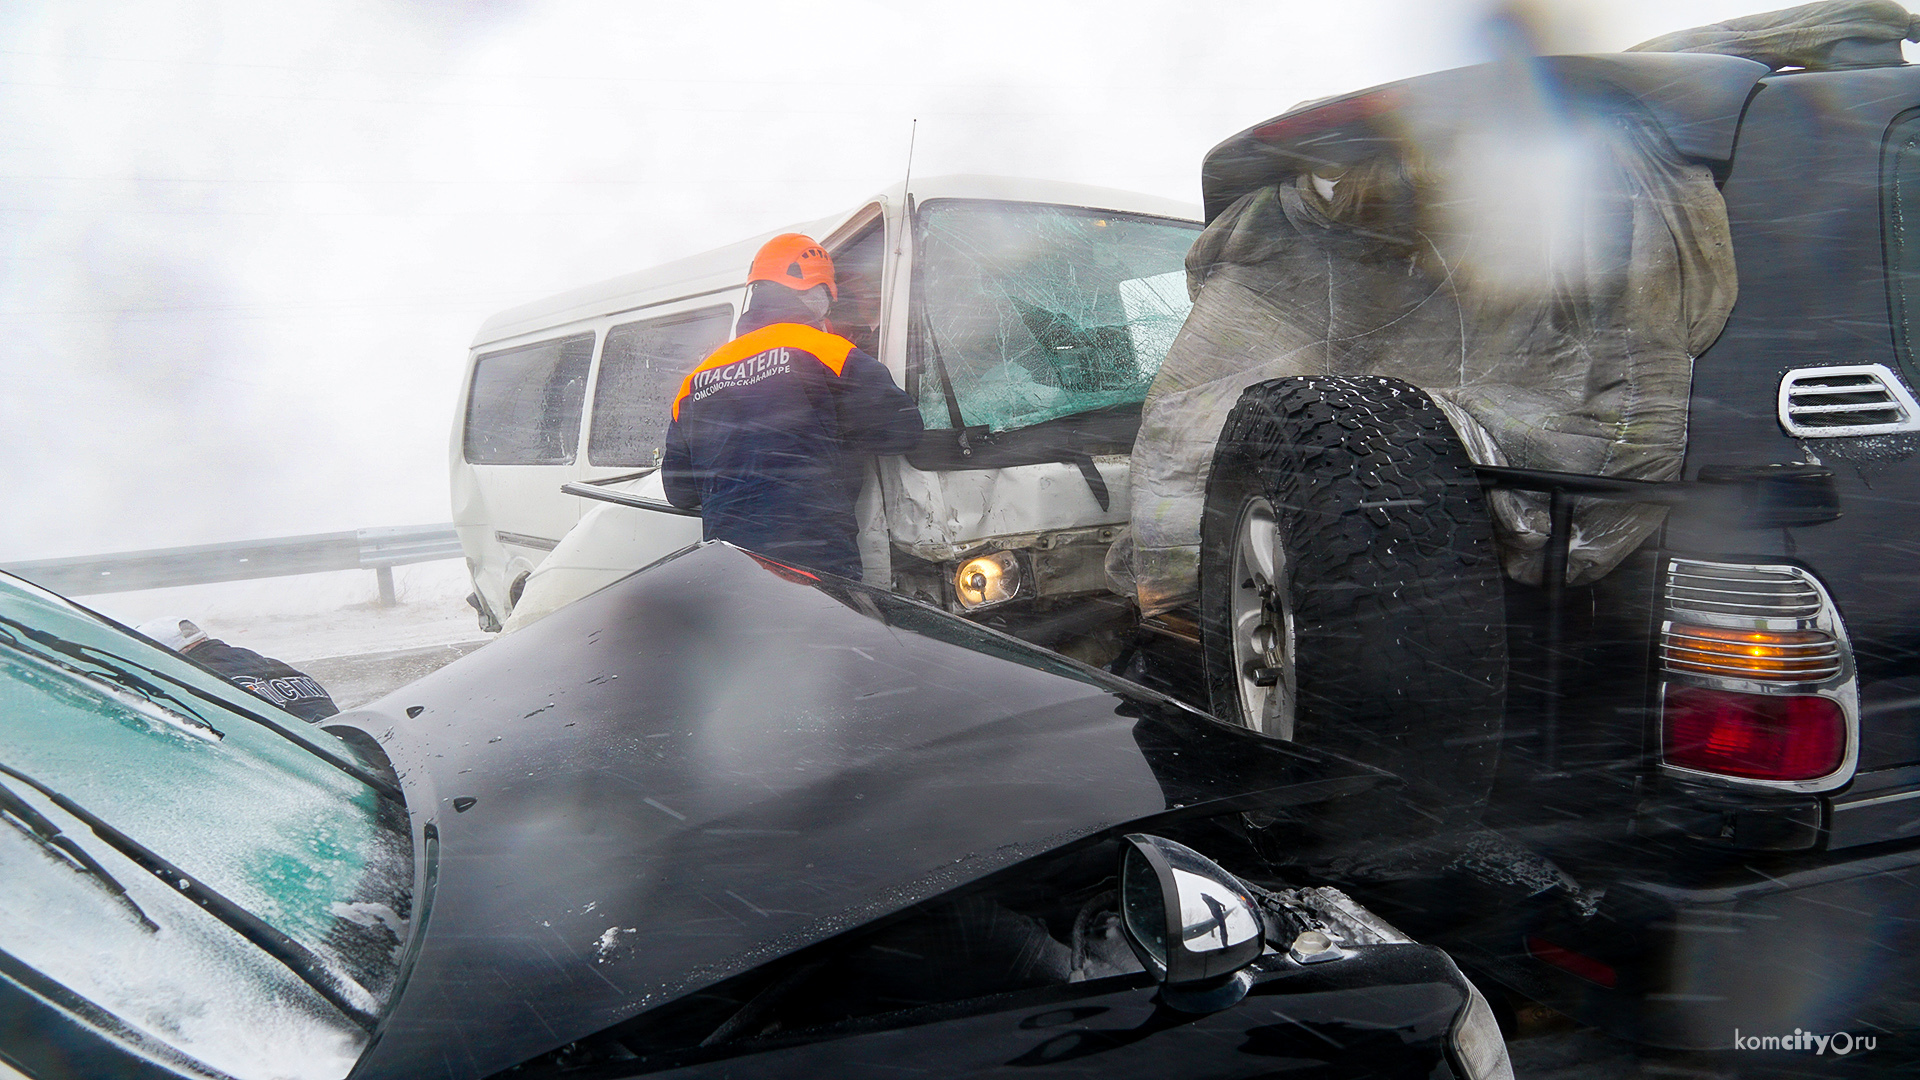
913, 133
906, 185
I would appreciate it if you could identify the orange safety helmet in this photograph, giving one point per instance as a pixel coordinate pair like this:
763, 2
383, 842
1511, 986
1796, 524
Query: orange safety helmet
795, 261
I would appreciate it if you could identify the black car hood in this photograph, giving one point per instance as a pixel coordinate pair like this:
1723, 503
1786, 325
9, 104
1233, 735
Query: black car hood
717, 761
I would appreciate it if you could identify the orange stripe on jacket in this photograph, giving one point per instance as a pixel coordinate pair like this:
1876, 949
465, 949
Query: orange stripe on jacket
829, 349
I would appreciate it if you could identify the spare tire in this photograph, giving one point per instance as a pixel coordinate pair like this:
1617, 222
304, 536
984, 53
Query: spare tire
1351, 593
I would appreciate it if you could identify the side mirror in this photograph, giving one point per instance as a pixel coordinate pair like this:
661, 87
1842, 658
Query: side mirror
1190, 922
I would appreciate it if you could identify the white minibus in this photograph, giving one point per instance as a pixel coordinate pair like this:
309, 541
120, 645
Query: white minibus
1027, 318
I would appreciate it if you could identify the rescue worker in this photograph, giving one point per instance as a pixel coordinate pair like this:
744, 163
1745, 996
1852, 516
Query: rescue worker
264, 676
770, 433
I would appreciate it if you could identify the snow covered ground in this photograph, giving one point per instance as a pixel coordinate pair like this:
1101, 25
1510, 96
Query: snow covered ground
332, 626
316, 615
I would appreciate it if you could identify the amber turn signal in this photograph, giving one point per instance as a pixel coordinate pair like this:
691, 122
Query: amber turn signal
1773, 655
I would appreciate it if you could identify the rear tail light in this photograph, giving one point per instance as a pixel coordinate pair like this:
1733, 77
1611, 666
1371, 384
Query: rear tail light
1755, 736
780, 569
1760, 685
1594, 971
1320, 118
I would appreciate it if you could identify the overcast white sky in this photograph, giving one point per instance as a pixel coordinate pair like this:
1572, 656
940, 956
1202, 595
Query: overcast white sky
243, 246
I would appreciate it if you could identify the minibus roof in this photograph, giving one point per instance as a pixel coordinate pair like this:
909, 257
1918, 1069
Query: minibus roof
725, 268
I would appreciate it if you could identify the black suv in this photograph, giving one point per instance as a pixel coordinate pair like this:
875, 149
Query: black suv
1700, 751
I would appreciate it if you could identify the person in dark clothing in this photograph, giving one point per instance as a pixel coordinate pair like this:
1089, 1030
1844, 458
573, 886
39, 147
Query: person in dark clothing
262, 675
770, 433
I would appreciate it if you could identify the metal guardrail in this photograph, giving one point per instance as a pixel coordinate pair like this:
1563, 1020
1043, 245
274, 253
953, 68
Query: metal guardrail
379, 550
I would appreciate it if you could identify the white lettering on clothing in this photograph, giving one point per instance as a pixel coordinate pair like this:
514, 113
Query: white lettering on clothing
262, 687
740, 373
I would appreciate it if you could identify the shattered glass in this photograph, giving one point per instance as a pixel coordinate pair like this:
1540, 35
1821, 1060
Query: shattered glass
1033, 312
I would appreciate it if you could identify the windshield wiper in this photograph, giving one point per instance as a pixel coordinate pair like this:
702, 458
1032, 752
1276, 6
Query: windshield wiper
117, 684
125, 669
1096, 484
946, 388
341, 992
48, 835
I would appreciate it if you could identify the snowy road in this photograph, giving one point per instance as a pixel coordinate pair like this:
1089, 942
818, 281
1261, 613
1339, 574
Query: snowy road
355, 680
330, 626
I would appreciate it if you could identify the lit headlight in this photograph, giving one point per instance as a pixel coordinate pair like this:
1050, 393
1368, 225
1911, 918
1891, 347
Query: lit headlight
987, 580
1477, 1043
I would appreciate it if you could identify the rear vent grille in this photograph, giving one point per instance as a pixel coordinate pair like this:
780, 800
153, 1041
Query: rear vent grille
1831, 402
1741, 592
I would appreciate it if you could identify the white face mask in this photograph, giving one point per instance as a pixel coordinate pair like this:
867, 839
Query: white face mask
817, 300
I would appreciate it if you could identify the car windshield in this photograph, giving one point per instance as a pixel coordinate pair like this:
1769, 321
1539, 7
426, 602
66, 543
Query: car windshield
221, 887
1027, 313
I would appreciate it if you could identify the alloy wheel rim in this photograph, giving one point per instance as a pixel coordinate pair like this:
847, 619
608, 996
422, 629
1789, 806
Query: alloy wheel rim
1262, 622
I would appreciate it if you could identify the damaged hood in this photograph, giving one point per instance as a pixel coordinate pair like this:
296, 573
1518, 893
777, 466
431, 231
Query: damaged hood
719, 760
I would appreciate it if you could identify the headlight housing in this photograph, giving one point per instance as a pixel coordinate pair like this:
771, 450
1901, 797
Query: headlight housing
987, 580
1479, 1049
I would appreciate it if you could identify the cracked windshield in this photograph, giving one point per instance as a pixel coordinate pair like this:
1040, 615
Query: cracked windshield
1030, 313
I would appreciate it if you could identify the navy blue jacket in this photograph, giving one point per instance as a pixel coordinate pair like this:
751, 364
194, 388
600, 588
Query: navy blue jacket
769, 437
272, 679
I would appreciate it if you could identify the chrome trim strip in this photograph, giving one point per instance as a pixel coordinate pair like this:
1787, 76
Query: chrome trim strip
1705, 593
1774, 597
1693, 663
1732, 586
1848, 408
1877, 800
538, 543
621, 498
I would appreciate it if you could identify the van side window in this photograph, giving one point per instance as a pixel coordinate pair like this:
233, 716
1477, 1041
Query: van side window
856, 268
640, 371
524, 408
